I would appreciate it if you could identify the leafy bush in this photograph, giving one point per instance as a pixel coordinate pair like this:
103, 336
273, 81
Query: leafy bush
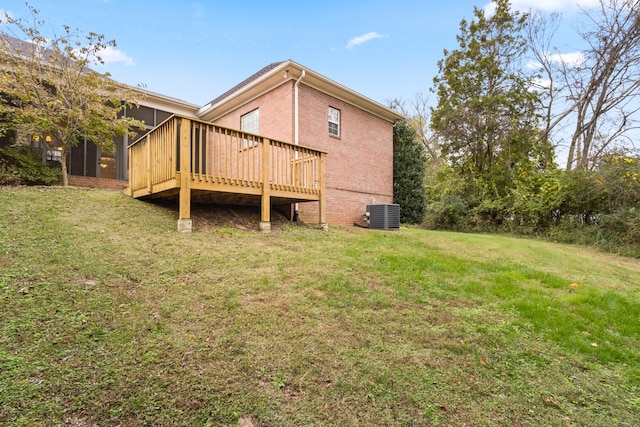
8, 174
447, 203
617, 232
599, 207
585, 194
449, 212
28, 167
621, 231
620, 180
536, 199
409, 162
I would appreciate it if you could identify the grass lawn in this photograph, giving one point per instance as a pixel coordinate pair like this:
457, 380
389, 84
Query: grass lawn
110, 317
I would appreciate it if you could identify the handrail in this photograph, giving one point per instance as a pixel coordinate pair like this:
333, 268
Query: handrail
223, 159
173, 116
151, 130
153, 158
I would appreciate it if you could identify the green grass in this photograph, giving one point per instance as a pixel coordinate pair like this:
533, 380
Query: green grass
111, 317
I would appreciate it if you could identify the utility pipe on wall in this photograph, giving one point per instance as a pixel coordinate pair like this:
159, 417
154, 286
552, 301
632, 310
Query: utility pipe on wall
295, 130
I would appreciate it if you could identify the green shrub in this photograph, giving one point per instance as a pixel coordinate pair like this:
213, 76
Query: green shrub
621, 231
585, 195
536, 199
28, 167
448, 212
617, 232
409, 164
620, 180
490, 213
9, 174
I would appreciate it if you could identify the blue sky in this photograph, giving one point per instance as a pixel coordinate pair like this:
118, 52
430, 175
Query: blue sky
196, 50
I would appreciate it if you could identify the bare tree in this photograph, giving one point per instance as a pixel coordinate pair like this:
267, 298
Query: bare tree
419, 118
598, 92
540, 33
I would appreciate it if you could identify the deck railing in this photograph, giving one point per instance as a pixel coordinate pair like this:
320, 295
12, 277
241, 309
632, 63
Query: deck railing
188, 154
153, 160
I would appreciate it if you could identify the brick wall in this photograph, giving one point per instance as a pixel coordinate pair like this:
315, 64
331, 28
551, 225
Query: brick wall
359, 163
89, 181
276, 113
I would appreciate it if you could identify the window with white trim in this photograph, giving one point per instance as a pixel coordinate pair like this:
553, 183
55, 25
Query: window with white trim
334, 121
250, 122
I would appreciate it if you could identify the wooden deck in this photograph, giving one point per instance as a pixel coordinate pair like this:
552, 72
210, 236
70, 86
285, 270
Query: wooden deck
190, 159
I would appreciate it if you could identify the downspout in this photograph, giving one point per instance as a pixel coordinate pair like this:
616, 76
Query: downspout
295, 131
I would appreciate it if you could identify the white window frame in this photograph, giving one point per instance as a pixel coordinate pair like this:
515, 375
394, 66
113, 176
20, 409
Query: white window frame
334, 119
250, 123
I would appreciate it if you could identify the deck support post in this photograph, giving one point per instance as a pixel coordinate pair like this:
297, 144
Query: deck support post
184, 216
322, 214
265, 203
149, 166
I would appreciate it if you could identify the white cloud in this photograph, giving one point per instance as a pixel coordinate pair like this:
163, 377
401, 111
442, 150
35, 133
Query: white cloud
3, 15
356, 41
110, 55
574, 59
553, 5
545, 5
571, 59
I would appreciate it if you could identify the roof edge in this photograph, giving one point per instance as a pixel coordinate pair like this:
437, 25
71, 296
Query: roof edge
312, 78
163, 98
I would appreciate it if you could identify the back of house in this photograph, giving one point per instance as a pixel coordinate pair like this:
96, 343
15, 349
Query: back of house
284, 101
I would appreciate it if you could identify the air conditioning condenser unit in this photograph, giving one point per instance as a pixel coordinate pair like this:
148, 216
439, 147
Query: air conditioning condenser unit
384, 216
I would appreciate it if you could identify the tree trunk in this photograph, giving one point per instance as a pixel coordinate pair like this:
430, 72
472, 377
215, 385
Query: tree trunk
572, 151
63, 166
